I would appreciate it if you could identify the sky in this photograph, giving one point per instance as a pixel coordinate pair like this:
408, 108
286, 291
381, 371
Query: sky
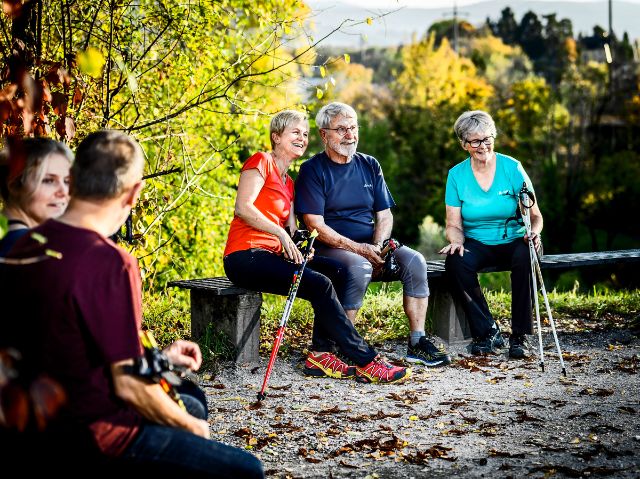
438, 3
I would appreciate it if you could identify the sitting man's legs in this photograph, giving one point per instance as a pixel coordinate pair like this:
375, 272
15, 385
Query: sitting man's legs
166, 450
415, 288
355, 278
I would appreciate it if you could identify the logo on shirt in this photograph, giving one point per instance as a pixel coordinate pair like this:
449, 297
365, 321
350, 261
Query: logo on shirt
368, 185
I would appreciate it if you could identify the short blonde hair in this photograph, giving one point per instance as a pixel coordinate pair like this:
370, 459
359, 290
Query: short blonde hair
282, 120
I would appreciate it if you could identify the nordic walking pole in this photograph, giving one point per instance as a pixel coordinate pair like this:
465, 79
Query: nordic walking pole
527, 200
293, 290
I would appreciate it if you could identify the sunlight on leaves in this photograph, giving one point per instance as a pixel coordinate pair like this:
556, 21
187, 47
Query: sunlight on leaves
91, 62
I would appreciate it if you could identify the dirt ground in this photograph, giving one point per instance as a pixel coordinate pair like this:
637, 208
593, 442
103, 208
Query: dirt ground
481, 417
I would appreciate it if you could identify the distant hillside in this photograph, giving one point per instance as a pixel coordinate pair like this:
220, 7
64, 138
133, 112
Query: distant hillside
398, 27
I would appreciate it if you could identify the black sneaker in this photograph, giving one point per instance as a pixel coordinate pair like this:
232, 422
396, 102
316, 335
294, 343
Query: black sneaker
425, 352
486, 345
481, 346
517, 347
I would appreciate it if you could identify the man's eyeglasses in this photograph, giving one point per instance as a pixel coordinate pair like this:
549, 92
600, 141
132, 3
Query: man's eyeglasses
342, 130
488, 141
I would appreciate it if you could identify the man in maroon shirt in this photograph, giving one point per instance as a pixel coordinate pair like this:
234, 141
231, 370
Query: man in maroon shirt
77, 320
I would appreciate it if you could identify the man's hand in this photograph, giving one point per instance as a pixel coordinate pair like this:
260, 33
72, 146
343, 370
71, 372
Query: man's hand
201, 428
184, 353
452, 248
372, 254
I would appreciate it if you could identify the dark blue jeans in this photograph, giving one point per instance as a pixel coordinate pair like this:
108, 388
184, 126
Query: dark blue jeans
170, 452
262, 270
157, 451
462, 275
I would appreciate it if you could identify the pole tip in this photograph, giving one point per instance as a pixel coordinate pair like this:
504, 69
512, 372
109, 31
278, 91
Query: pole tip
564, 372
261, 396
542, 366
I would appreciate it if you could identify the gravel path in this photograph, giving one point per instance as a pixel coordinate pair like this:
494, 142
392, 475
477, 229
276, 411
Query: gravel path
481, 417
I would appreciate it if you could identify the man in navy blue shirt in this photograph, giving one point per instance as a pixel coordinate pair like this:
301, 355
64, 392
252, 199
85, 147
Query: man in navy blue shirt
342, 194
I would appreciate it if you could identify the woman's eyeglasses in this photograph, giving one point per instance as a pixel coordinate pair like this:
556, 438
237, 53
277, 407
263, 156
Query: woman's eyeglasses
488, 141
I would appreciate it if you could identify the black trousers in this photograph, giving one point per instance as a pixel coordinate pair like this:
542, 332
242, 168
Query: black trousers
262, 270
462, 277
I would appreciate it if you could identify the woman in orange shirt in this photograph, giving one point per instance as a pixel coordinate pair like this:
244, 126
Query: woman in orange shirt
260, 255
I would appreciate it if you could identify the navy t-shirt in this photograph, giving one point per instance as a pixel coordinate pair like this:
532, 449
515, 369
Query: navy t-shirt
346, 195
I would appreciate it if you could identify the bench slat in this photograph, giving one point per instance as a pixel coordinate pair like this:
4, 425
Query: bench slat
220, 285
570, 260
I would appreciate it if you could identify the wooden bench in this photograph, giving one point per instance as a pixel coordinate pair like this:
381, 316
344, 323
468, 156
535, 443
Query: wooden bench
448, 318
236, 311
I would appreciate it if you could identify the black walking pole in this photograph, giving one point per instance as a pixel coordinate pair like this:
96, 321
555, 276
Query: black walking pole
293, 290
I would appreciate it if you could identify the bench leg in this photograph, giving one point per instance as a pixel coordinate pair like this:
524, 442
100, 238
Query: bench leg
237, 316
447, 316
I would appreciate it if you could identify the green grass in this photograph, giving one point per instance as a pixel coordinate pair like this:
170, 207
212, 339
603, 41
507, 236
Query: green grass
381, 316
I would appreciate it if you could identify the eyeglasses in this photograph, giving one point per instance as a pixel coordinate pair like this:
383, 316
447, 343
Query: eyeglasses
342, 130
488, 141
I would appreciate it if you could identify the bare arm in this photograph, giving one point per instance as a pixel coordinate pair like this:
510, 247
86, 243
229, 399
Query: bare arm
454, 231
331, 237
383, 227
536, 225
291, 221
153, 403
251, 182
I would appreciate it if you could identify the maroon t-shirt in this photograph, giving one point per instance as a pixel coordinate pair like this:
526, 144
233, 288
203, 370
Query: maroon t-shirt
73, 317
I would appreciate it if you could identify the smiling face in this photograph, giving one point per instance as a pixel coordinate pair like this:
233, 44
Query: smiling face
344, 145
51, 196
293, 141
483, 153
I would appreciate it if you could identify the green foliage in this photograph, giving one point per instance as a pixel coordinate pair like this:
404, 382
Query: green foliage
432, 238
4, 226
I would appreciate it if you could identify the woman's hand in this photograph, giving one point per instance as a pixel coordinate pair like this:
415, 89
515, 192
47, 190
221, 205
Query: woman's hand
290, 249
537, 241
452, 248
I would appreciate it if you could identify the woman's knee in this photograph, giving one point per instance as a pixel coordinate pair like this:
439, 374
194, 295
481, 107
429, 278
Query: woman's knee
454, 264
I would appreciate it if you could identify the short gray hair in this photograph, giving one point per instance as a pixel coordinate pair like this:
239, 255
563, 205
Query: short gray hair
328, 112
475, 121
106, 161
282, 120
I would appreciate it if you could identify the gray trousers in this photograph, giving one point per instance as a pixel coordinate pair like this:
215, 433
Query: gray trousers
356, 274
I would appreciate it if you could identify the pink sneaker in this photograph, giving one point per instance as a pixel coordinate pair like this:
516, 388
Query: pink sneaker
328, 365
380, 371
